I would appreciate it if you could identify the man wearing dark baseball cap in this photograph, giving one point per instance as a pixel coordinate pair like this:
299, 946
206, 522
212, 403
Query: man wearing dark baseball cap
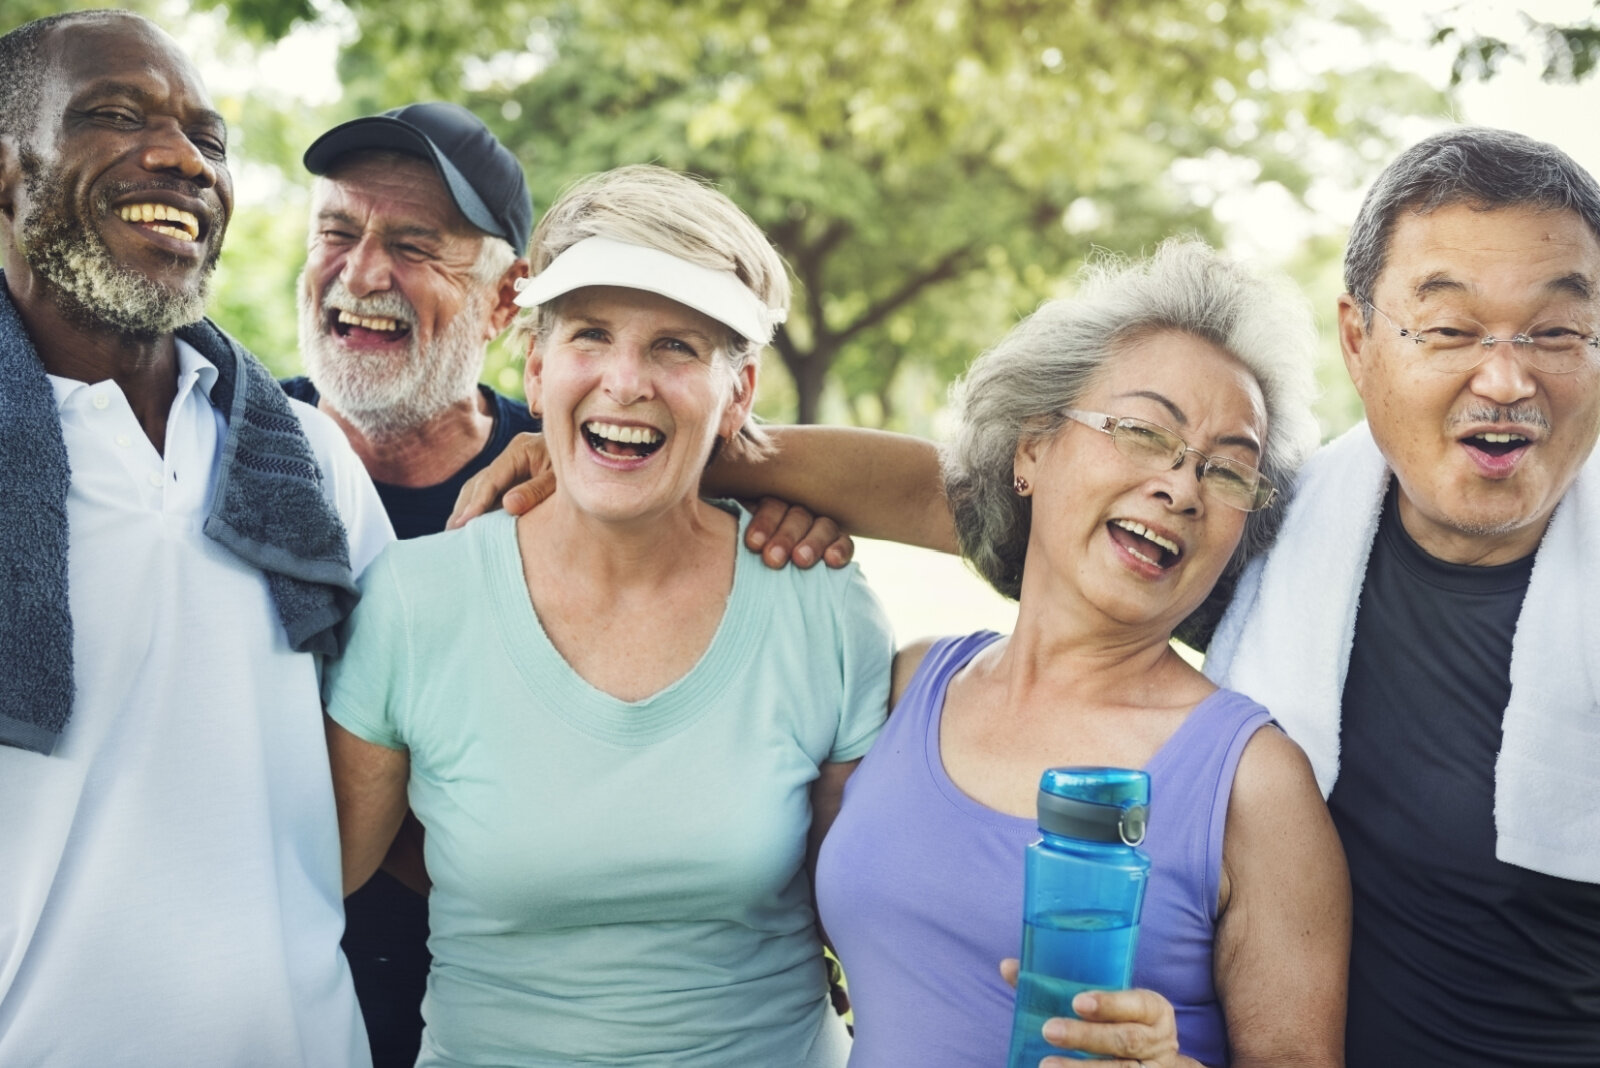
419, 223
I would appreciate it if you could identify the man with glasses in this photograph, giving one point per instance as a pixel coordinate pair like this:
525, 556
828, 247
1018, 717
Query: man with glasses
1426, 627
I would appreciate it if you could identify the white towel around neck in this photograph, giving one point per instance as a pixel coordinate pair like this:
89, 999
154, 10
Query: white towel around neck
1286, 639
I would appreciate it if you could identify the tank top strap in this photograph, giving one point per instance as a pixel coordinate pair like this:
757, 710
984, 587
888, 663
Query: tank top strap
944, 658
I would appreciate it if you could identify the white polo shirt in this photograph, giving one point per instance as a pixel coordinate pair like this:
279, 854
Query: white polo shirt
169, 878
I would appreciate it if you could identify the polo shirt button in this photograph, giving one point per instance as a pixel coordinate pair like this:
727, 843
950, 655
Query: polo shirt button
155, 480
101, 401
123, 440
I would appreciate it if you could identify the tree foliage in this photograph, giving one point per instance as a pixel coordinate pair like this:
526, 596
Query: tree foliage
930, 169
1566, 52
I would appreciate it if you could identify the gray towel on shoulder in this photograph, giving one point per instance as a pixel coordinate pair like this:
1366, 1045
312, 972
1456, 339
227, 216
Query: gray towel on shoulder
268, 508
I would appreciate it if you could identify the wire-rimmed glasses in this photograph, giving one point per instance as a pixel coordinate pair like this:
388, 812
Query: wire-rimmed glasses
1456, 344
1151, 445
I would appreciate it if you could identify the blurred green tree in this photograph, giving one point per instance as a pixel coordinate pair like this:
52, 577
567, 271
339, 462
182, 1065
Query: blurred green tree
930, 169
1566, 51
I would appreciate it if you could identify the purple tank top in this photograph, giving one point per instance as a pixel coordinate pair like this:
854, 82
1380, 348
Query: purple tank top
920, 887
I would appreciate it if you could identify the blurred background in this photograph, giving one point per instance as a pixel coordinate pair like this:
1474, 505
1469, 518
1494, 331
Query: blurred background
930, 169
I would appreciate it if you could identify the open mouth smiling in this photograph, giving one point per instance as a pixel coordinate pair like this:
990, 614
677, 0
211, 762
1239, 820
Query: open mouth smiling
162, 219
349, 324
1144, 543
1497, 443
622, 442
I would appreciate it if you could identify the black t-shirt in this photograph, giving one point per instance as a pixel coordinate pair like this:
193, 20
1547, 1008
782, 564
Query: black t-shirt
416, 511
386, 924
1457, 958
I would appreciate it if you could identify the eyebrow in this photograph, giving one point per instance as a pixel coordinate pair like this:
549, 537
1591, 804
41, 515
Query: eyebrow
596, 319
1574, 284
142, 93
1183, 420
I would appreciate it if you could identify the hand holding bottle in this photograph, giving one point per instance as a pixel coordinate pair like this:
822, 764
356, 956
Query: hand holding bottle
1134, 1027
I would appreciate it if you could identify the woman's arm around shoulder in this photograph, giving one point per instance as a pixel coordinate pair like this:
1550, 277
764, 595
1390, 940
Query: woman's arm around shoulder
1282, 949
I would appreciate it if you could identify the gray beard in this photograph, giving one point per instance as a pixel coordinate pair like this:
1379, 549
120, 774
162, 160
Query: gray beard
90, 287
392, 396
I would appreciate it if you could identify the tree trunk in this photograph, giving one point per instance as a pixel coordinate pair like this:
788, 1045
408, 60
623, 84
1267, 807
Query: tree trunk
810, 372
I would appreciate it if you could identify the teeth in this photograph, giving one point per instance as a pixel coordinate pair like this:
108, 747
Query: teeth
1145, 532
624, 435
1502, 439
187, 228
369, 322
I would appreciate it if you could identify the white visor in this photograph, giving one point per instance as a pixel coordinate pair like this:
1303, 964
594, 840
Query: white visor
600, 261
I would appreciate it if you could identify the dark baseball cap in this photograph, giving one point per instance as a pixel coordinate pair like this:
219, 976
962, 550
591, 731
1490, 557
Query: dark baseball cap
484, 178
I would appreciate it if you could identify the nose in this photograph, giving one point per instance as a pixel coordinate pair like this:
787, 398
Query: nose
1504, 376
171, 151
627, 378
367, 267
1179, 485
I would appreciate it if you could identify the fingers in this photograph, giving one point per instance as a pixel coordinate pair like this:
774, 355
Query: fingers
1137, 1006
524, 497
825, 542
765, 520
522, 461
1134, 1025
1010, 968
783, 533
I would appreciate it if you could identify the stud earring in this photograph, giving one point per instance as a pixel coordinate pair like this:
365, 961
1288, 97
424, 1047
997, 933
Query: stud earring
1021, 486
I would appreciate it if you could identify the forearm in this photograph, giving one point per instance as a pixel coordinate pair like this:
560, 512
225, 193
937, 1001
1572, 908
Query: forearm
369, 790
405, 860
873, 483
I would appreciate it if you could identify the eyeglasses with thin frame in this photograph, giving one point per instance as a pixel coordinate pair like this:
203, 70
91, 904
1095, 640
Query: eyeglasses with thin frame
1151, 445
1456, 344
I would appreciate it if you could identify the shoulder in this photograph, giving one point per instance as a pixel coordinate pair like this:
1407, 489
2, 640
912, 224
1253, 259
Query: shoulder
448, 558
337, 459
907, 661
347, 485
1273, 780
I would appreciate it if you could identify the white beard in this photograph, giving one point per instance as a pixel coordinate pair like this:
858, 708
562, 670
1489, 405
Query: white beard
393, 395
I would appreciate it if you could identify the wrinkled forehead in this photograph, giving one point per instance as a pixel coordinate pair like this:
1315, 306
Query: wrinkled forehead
84, 57
1507, 253
391, 189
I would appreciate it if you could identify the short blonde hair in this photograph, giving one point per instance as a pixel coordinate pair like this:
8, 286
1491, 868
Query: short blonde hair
661, 209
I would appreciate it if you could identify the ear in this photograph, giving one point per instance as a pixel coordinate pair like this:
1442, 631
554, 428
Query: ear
532, 378
1030, 452
1355, 340
505, 304
737, 412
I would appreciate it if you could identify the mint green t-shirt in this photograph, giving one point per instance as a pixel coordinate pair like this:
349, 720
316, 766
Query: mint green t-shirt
614, 882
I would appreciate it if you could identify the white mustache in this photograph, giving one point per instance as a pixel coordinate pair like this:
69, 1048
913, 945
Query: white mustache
389, 304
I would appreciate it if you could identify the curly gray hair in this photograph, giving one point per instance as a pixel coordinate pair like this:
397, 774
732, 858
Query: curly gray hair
1019, 388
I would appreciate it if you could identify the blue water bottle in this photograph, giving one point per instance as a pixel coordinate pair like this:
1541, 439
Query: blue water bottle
1084, 884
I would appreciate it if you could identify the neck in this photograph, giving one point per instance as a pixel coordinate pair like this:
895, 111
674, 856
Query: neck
1123, 667
145, 369
1471, 549
424, 455
606, 557
1064, 643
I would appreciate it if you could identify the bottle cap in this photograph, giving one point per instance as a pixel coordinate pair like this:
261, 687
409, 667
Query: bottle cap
1095, 804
